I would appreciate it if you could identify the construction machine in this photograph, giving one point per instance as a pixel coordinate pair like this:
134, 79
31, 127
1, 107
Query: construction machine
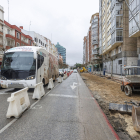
131, 80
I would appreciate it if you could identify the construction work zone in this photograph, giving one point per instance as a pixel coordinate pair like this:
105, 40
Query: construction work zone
18, 103
51, 84
38, 91
107, 91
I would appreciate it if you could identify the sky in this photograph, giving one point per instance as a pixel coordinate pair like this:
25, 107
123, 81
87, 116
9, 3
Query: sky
63, 21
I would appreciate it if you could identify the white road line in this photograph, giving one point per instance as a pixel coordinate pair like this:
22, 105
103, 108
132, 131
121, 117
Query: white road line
14, 120
8, 125
60, 95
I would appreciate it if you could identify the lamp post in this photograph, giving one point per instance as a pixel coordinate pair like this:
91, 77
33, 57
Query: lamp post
130, 12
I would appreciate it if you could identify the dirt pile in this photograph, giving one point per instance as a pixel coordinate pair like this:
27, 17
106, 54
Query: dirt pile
107, 91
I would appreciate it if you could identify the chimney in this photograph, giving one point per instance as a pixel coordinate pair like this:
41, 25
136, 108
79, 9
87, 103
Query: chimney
21, 27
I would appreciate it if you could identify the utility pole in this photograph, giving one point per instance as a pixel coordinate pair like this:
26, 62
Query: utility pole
8, 10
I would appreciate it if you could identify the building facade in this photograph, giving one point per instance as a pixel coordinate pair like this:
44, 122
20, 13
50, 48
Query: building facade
95, 57
117, 48
38, 39
84, 50
14, 37
1, 33
62, 51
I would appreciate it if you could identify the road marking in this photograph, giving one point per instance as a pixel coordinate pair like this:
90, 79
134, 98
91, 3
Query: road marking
73, 86
60, 95
8, 125
14, 120
37, 107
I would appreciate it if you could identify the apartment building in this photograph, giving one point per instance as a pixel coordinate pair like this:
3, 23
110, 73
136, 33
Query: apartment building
14, 37
134, 29
1, 33
117, 48
38, 39
95, 39
84, 50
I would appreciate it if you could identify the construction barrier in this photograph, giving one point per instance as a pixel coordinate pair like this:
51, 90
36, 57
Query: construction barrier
18, 103
136, 117
65, 76
39, 91
68, 74
51, 84
60, 79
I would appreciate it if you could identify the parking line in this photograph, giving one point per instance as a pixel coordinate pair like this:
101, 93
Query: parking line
14, 120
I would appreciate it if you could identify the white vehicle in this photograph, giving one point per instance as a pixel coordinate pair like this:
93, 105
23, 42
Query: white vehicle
75, 71
26, 66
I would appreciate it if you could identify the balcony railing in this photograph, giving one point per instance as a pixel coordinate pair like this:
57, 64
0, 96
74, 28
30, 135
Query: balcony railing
96, 57
95, 42
117, 39
133, 30
95, 52
10, 44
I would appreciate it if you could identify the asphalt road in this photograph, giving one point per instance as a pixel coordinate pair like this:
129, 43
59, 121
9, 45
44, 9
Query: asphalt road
67, 112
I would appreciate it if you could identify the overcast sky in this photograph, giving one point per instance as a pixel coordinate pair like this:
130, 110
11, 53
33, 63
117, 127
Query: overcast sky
67, 20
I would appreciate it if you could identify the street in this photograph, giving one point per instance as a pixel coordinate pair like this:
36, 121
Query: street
68, 111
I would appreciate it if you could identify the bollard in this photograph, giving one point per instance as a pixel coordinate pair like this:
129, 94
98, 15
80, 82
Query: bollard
51, 84
18, 103
39, 91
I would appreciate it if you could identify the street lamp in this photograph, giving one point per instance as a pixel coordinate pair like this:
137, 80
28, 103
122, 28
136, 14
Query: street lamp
130, 11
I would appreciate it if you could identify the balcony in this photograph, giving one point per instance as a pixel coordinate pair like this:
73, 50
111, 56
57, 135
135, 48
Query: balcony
96, 58
1, 32
134, 31
116, 41
94, 42
1, 44
95, 52
11, 44
10, 36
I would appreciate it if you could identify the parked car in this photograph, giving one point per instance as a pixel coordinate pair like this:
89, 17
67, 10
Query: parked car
61, 72
75, 71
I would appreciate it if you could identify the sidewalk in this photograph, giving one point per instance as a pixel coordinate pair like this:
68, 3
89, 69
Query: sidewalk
108, 75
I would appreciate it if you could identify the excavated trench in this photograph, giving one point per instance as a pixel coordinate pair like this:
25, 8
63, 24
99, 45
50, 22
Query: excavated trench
106, 91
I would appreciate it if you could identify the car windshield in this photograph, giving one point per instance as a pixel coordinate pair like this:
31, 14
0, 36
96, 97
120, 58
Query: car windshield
132, 71
19, 61
18, 65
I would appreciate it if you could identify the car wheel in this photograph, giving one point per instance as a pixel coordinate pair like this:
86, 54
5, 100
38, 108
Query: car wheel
128, 90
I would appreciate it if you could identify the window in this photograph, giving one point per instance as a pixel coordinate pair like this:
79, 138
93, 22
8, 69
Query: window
119, 61
18, 44
40, 60
8, 31
18, 35
30, 42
